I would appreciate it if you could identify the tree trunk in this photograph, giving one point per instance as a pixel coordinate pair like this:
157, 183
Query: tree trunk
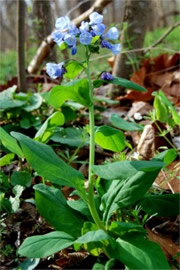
43, 23
136, 16
21, 11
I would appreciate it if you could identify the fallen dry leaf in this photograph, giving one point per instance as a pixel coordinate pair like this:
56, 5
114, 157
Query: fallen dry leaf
168, 179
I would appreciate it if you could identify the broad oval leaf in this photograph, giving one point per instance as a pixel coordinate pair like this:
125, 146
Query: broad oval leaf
77, 90
54, 208
162, 205
10, 143
93, 236
124, 193
46, 163
40, 246
138, 253
8, 101
124, 169
73, 68
110, 138
119, 122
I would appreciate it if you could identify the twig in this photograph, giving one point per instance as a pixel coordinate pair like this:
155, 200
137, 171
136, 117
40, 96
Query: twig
77, 6
162, 37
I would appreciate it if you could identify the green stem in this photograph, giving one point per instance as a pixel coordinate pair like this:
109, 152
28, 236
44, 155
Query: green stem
92, 206
165, 137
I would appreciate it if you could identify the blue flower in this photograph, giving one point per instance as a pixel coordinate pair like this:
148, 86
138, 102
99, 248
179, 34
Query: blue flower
95, 18
58, 37
84, 27
116, 49
63, 23
107, 76
112, 33
70, 39
106, 44
99, 29
55, 70
85, 38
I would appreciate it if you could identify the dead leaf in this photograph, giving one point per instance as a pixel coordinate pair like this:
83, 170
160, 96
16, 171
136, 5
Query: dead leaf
168, 179
146, 145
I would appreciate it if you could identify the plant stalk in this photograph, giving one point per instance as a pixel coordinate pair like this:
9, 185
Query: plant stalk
92, 206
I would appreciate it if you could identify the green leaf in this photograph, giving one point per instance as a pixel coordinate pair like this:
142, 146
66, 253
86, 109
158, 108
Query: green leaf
161, 110
124, 193
93, 236
167, 156
110, 138
22, 178
10, 143
162, 205
119, 122
80, 206
41, 246
120, 228
122, 82
46, 163
164, 100
124, 169
69, 113
48, 127
33, 103
128, 84
77, 90
138, 253
76, 137
53, 206
8, 101
73, 69
7, 159
98, 266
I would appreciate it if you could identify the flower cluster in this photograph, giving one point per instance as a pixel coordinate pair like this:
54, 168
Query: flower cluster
67, 33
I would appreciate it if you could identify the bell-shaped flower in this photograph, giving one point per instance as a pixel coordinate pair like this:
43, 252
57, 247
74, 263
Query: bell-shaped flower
70, 39
55, 70
98, 29
85, 38
116, 49
63, 24
95, 18
84, 27
112, 34
58, 37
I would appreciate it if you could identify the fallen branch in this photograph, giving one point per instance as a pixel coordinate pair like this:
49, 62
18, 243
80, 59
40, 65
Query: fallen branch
48, 43
162, 37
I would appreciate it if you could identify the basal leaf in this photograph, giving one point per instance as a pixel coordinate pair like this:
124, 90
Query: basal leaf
124, 169
110, 138
124, 193
162, 205
48, 127
46, 163
53, 206
93, 236
10, 143
138, 253
119, 122
41, 246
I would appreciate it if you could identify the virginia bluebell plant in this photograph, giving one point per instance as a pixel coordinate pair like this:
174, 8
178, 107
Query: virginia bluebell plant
93, 221
68, 34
